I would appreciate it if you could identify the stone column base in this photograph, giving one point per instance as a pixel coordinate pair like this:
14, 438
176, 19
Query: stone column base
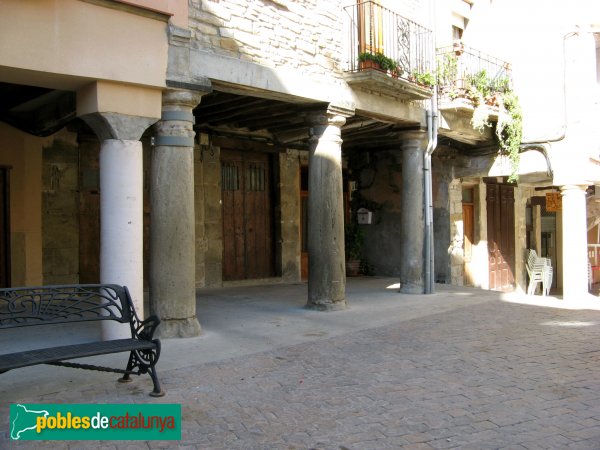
411, 288
337, 306
179, 328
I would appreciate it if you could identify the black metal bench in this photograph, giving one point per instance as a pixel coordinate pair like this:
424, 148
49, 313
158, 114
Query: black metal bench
48, 305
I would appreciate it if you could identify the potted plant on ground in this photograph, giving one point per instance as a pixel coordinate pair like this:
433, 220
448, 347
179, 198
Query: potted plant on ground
354, 238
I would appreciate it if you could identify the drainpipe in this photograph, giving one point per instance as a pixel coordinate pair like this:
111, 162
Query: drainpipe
432, 127
427, 194
432, 136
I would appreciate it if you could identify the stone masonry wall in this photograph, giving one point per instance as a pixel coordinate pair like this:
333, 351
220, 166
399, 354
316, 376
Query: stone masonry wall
289, 188
307, 35
380, 185
60, 211
209, 226
457, 233
295, 34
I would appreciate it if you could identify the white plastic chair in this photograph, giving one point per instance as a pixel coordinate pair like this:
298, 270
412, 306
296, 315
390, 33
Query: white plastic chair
539, 271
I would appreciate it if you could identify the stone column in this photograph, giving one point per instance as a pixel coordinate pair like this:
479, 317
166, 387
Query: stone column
172, 224
327, 266
574, 242
412, 229
121, 207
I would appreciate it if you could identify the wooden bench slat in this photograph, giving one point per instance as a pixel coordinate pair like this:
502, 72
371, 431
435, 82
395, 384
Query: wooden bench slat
46, 355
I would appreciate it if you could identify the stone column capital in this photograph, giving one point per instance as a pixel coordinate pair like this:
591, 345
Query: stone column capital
176, 127
174, 99
109, 125
568, 189
414, 138
332, 116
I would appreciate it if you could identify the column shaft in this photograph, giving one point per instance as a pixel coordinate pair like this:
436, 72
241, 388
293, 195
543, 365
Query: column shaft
575, 283
412, 231
327, 267
121, 224
121, 207
172, 219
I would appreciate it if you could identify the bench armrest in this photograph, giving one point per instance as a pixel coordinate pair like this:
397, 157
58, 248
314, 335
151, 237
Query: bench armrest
144, 329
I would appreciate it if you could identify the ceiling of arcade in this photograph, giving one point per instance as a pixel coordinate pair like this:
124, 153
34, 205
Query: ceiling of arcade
285, 124
42, 112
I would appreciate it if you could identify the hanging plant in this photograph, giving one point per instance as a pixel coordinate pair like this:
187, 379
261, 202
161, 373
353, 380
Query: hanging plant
509, 129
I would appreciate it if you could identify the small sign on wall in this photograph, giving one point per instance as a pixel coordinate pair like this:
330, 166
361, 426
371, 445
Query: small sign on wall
364, 216
553, 202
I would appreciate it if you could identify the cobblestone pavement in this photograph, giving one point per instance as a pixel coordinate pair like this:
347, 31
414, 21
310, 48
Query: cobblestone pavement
490, 375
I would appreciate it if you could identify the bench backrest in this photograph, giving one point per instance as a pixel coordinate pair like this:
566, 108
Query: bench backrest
26, 306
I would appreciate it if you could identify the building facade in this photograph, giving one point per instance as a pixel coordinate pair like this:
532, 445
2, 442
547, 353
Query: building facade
172, 145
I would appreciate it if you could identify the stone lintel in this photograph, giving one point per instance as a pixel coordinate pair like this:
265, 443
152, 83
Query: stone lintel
200, 84
341, 110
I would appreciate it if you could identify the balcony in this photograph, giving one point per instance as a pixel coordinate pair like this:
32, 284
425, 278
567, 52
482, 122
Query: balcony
388, 53
472, 88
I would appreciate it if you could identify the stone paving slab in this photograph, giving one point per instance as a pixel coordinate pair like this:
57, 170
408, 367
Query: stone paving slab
490, 375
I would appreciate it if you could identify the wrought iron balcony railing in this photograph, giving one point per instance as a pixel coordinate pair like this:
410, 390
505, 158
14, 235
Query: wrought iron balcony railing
383, 40
465, 72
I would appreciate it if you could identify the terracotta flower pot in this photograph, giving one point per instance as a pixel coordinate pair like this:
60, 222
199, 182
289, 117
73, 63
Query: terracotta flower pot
353, 267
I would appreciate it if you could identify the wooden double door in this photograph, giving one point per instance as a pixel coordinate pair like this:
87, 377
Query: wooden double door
247, 207
500, 202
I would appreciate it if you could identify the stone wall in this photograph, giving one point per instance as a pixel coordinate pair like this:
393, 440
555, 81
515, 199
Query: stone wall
296, 34
89, 209
289, 215
209, 225
60, 211
457, 234
441, 222
522, 195
304, 35
380, 184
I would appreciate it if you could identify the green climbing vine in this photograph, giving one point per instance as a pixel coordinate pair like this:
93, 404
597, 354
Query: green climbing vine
509, 130
485, 92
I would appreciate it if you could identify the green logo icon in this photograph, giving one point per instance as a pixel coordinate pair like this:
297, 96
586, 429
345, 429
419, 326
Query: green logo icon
95, 422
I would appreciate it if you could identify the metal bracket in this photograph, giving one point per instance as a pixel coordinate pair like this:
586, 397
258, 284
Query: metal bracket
183, 116
173, 141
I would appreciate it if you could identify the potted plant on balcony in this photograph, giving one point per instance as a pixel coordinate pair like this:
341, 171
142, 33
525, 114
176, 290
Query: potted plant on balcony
377, 60
426, 79
447, 74
458, 47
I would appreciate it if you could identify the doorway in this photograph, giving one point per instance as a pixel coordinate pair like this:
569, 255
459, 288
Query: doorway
248, 248
500, 202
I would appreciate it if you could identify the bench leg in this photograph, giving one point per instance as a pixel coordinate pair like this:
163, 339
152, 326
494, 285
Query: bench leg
145, 361
157, 391
126, 378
